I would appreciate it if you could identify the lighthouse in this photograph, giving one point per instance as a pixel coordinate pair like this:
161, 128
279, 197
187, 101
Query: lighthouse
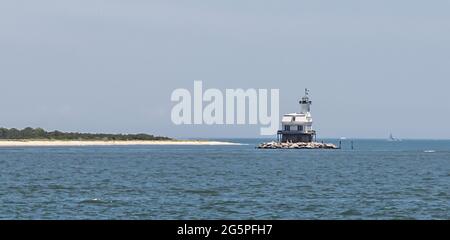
297, 127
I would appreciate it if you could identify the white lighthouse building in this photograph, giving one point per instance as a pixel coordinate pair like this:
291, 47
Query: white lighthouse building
297, 127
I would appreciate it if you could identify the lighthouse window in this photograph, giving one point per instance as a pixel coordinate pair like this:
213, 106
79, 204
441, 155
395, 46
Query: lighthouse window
300, 128
287, 128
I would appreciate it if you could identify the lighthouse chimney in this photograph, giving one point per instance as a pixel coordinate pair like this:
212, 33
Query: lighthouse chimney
305, 103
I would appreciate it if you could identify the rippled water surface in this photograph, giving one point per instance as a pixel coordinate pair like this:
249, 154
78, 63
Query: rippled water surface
376, 180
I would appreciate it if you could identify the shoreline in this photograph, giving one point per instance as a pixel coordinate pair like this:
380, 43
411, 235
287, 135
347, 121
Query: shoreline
73, 143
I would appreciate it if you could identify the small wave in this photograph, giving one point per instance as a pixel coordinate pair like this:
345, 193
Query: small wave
59, 187
351, 212
429, 151
203, 192
442, 194
95, 201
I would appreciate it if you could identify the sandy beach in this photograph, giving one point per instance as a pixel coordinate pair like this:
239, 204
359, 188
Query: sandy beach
55, 143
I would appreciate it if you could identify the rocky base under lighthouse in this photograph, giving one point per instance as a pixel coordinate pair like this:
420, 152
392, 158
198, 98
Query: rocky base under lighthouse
296, 145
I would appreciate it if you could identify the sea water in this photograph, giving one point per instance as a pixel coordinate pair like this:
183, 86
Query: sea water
376, 180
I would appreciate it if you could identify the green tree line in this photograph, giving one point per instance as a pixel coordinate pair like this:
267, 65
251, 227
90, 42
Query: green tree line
39, 133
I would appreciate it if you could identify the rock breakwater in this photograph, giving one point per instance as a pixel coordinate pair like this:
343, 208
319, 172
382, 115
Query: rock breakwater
297, 145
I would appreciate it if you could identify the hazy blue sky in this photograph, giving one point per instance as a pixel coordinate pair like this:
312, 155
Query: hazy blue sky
110, 66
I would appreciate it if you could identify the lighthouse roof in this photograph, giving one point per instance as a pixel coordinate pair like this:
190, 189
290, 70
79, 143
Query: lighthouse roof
296, 118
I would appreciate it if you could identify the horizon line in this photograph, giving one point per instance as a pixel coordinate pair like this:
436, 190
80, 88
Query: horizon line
334, 138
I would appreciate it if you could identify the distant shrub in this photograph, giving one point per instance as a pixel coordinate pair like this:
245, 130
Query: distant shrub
39, 133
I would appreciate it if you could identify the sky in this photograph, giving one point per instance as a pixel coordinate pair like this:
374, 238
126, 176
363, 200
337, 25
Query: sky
372, 67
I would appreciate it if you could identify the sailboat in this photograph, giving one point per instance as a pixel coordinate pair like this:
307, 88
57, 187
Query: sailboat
393, 139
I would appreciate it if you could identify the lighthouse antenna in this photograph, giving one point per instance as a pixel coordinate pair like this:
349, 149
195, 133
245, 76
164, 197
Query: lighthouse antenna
306, 92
